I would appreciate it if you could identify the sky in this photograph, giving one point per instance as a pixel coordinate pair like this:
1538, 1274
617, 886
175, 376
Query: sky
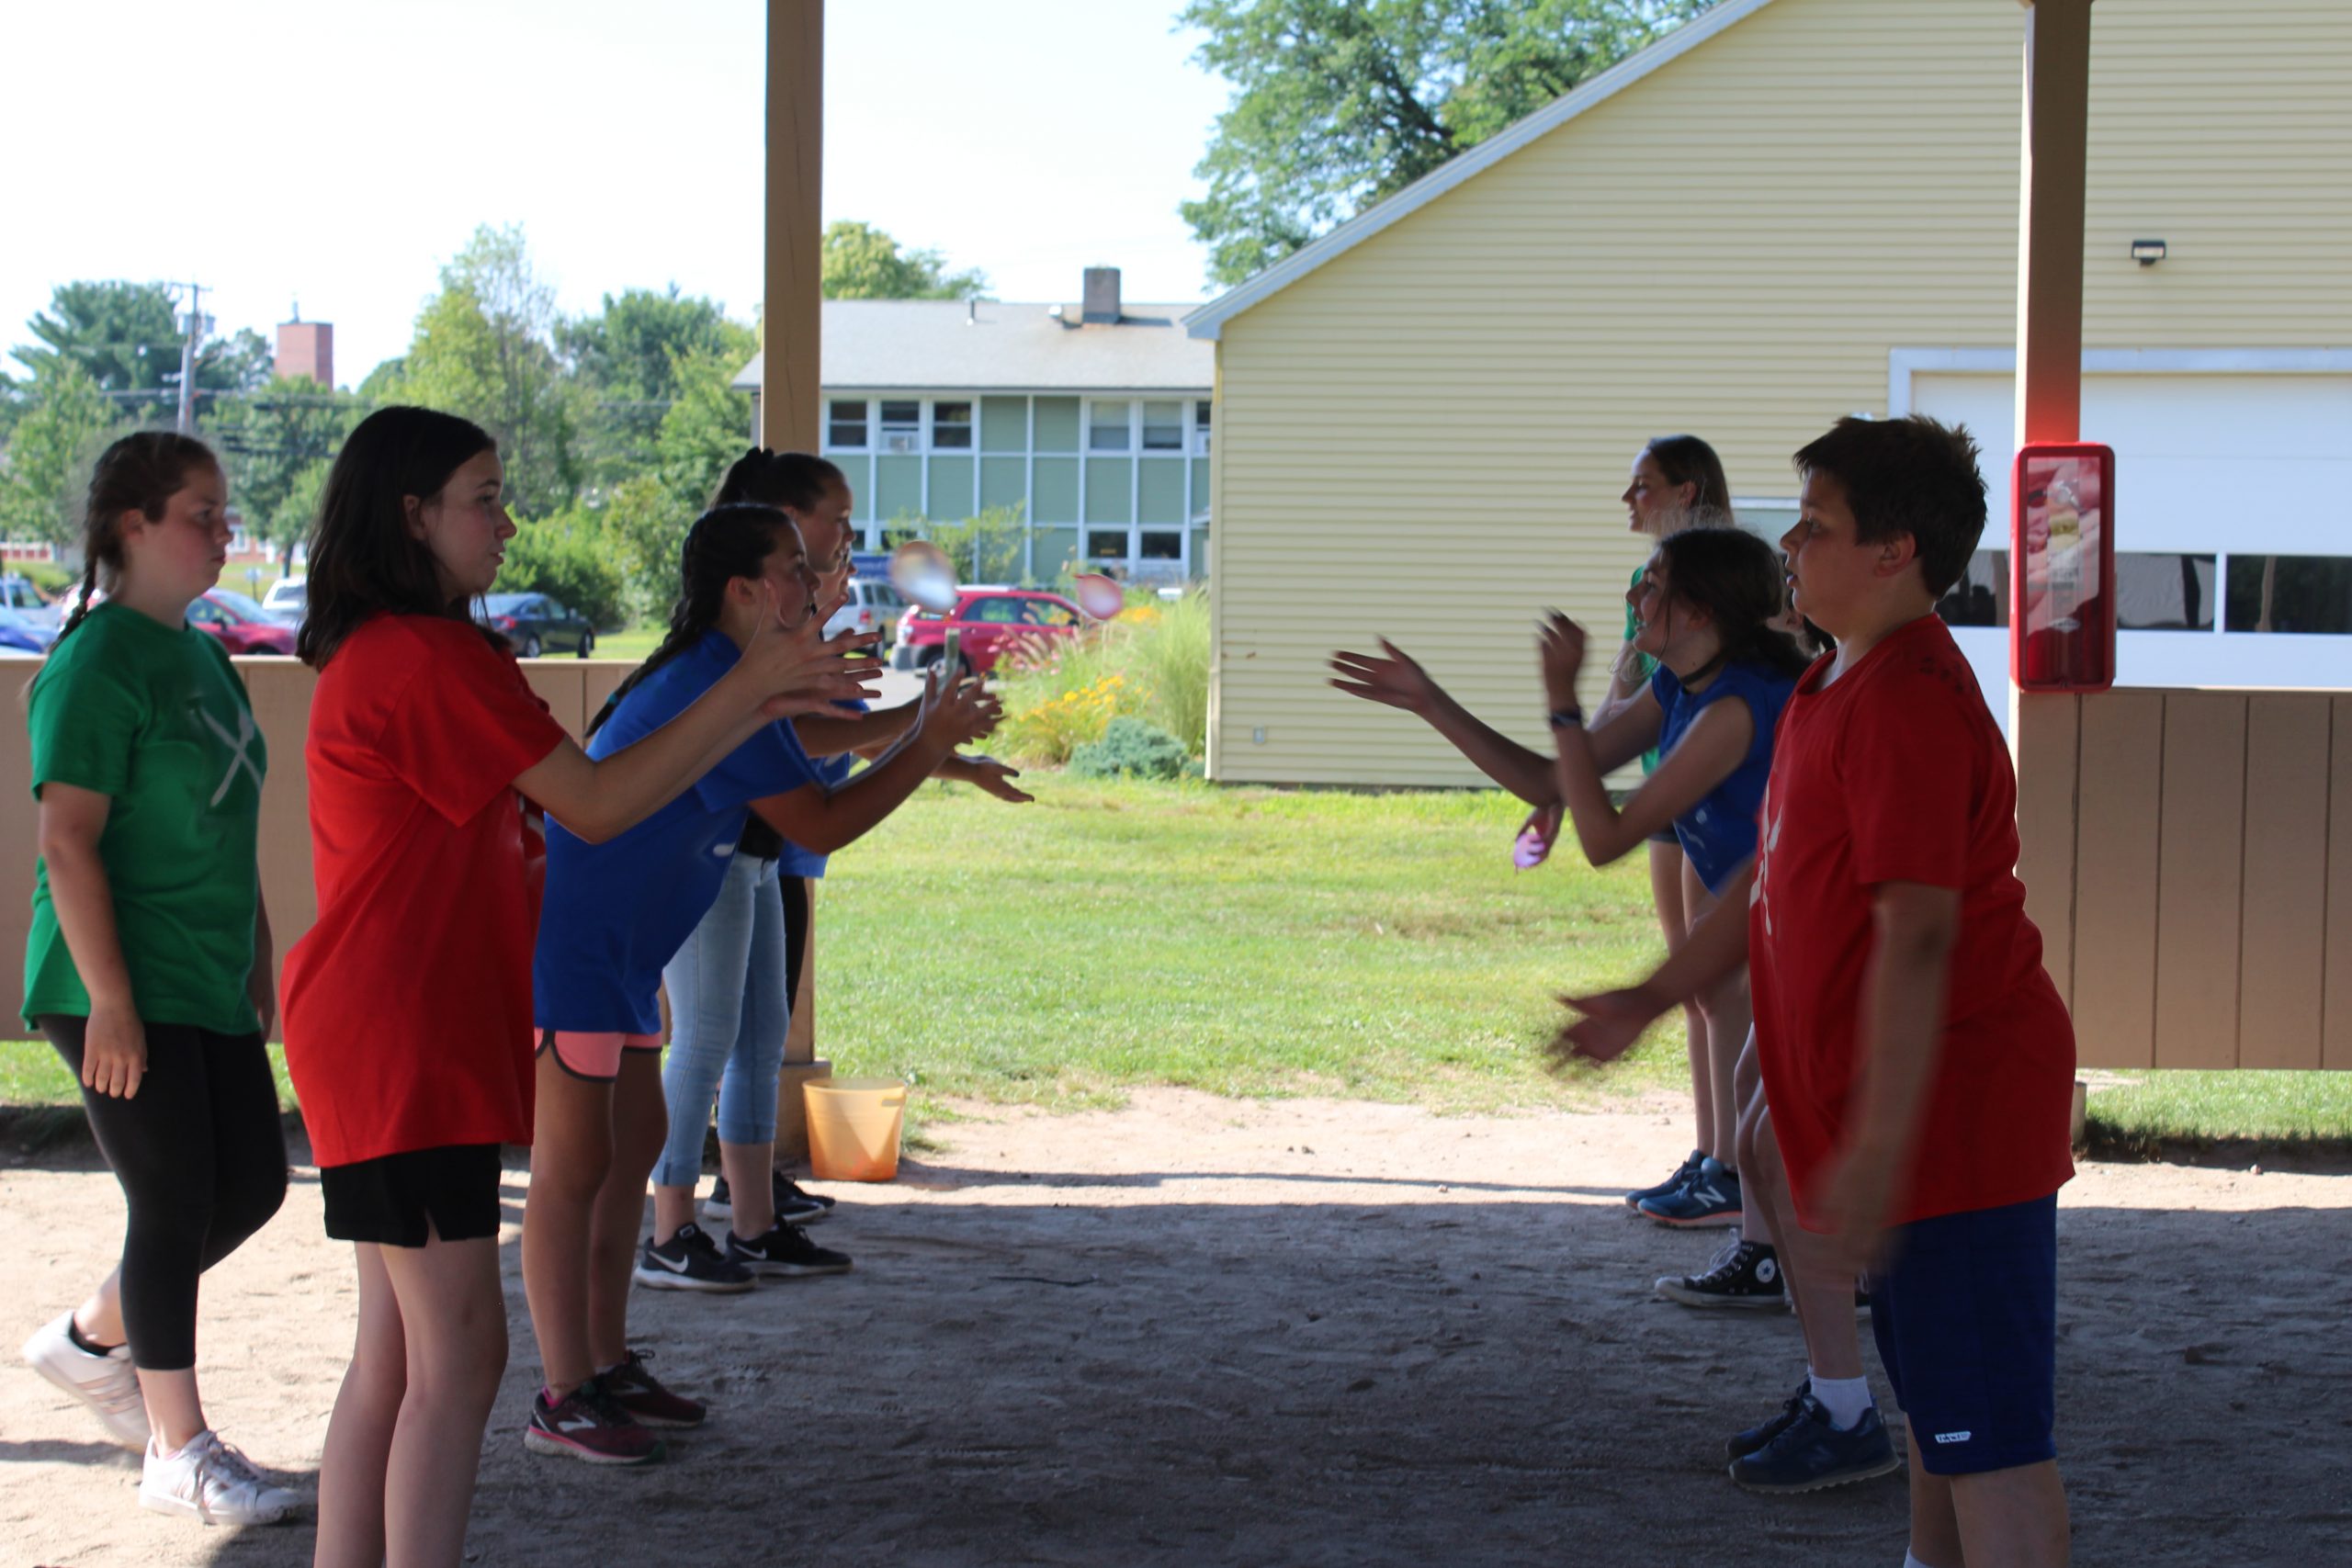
337, 154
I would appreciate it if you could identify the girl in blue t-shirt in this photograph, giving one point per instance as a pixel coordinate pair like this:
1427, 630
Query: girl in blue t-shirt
1706, 608
739, 983
613, 913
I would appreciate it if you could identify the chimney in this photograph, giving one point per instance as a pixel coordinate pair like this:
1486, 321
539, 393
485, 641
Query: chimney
306, 348
1101, 306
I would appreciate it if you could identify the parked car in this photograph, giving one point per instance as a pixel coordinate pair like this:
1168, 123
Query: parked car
987, 620
20, 635
874, 606
240, 624
536, 625
289, 599
18, 594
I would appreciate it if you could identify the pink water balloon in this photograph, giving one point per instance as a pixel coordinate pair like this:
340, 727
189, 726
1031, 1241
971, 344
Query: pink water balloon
1098, 595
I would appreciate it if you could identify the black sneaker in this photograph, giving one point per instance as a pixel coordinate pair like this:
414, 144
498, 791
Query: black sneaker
1810, 1453
1741, 1444
785, 1250
1744, 1274
1682, 1173
690, 1261
793, 1206
589, 1425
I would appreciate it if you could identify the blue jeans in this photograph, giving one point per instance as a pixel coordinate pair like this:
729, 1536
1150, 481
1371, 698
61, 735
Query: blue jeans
729, 1013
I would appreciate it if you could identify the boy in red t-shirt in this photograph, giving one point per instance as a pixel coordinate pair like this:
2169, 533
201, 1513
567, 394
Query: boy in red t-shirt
1918, 1061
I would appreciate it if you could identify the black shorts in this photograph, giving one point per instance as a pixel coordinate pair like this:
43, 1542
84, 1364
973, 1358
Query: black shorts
390, 1200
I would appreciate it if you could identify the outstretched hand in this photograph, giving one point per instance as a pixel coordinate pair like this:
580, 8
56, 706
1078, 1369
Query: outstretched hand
996, 778
802, 671
1394, 680
961, 713
1608, 1025
1560, 651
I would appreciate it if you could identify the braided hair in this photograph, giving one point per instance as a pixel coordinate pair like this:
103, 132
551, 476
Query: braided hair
732, 539
139, 473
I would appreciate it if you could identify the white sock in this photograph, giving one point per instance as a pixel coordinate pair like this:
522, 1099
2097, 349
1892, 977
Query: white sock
1911, 1560
1846, 1399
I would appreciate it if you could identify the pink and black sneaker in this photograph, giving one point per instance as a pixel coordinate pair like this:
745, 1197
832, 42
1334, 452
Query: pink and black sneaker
638, 1392
588, 1423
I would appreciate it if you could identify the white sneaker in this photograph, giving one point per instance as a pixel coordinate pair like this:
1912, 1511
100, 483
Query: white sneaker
210, 1480
107, 1383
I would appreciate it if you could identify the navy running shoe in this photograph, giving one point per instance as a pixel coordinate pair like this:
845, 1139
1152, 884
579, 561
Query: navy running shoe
1682, 1173
1811, 1454
1741, 1444
1710, 1198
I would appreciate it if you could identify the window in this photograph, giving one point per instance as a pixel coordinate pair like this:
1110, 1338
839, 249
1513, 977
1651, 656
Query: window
1046, 612
1980, 597
902, 426
2154, 591
2291, 593
1107, 544
995, 612
1107, 427
1163, 427
845, 426
204, 612
951, 427
1163, 546
1200, 430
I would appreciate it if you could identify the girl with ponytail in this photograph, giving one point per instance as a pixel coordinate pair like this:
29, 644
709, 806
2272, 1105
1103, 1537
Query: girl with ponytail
408, 1005
148, 964
616, 911
743, 984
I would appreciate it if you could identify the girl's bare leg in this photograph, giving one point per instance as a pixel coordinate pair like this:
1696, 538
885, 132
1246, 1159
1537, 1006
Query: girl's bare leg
359, 1434
1673, 920
572, 1156
453, 1318
640, 1122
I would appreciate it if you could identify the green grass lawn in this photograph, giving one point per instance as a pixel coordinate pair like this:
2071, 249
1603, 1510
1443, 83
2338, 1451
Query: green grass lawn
1255, 942
633, 644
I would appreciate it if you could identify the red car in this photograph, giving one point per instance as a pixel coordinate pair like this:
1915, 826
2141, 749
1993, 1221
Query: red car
241, 624
987, 620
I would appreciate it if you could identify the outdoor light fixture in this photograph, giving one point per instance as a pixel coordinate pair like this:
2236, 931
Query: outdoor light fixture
2147, 252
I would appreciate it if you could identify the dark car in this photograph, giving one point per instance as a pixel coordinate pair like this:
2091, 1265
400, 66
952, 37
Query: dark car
536, 625
240, 624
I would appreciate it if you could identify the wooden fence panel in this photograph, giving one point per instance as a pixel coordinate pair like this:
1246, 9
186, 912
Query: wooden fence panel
2335, 1047
2117, 845
2045, 745
2200, 872
2282, 932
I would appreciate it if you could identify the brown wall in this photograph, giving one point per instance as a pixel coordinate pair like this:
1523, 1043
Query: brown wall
2183, 854
281, 693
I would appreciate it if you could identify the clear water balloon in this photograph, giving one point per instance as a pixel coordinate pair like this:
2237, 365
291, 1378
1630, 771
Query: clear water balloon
1098, 595
922, 574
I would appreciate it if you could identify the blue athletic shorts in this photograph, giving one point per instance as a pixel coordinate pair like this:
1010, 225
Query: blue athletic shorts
1966, 1318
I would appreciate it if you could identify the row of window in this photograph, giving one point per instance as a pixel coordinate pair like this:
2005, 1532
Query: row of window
1113, 424
2158, 591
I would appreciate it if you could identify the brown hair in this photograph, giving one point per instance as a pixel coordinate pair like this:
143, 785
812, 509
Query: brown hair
1687, 461
1908, 475
1736, 579
139, 473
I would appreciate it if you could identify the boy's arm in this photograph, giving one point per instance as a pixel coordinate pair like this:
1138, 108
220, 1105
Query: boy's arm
1613, 1020
1914, 928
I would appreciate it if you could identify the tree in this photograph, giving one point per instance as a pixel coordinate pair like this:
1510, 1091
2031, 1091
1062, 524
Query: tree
630, 359
484, 349
861, 262
65, 421
565, 556
267, 441
1337, 103
127, 337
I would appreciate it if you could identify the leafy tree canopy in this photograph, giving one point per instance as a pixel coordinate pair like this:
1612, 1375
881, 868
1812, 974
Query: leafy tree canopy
126, 338
66, 419
862, 262
1337, 103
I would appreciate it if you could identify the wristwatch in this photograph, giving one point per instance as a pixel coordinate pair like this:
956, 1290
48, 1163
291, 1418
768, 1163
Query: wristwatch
1568, 718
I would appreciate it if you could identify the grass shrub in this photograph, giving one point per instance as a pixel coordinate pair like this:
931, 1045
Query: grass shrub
1151, 663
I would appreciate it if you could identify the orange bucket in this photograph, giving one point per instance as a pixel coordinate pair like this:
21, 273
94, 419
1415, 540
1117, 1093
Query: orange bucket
853, 1127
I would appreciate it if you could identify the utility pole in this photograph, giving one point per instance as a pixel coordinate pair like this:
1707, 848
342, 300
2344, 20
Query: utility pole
193, 327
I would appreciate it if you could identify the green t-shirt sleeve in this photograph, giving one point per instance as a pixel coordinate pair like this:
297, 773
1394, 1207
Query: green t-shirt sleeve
84, 721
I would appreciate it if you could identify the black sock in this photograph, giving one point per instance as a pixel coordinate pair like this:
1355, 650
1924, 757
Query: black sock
87, 1347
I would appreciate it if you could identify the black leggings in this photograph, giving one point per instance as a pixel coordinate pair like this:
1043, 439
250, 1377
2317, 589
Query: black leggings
203, 1162
796, 934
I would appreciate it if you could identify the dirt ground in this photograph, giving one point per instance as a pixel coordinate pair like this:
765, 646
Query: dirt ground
1198, 1331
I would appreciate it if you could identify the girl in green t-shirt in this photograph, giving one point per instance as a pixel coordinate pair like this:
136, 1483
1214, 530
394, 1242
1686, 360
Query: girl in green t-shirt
148, 964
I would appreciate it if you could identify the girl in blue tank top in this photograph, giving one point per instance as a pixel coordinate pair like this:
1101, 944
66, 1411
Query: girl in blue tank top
1706, 608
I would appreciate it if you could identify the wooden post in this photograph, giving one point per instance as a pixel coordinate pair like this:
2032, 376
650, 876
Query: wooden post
791, 311
791, 319
2050, 219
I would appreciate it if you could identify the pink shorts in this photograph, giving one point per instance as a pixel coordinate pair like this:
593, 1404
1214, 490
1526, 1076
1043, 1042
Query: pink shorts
594, 1055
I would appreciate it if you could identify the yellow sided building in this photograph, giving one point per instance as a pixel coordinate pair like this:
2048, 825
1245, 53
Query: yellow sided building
1786, 211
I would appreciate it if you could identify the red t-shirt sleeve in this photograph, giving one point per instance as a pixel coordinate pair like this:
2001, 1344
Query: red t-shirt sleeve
1908, 780
465, 725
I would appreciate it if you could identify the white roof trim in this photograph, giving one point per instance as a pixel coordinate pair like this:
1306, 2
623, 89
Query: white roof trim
1208, 322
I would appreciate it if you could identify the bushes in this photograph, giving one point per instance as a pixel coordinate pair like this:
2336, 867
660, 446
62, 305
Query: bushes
1151, 664
1130, 748
565, 557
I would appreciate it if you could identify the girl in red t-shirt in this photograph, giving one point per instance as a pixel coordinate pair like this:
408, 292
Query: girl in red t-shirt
408, 1005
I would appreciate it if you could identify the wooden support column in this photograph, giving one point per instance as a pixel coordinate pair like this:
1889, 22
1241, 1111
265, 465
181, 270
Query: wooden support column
2050, 219
790, 309
791, 318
